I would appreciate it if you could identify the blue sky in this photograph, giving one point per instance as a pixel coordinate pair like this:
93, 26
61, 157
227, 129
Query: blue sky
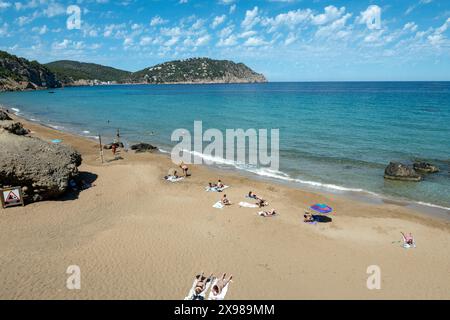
287, 40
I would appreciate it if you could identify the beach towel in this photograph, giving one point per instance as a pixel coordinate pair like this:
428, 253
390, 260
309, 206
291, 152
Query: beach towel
220, 296
218, 205
312, 222
247, 205
322, 208
56, 141
409, 246
263, 214
173, 178
216, 189
193, 296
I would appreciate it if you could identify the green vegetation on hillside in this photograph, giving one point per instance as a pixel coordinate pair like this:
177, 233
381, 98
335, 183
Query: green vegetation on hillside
14, 70
198, 70
68, 71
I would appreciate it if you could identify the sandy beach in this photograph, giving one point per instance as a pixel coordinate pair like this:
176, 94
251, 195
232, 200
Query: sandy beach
136, 236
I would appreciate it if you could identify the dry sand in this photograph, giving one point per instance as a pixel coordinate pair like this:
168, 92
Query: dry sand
136, 236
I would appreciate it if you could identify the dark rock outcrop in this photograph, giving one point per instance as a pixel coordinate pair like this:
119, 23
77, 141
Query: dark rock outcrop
20, 74
13, 127
143, 147
425, 167
400, 171
43, 170
4, 116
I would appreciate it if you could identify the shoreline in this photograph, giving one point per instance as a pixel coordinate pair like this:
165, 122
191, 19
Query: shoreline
361, 195
136, 236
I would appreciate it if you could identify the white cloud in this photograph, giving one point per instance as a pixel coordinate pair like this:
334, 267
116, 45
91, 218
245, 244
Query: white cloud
247, 34
410, 26
42, 30
371, 17
291, 38
290, 19
225, 32
157, 20
255, 42
232, 9
54, 9
61, 45
251, 18
145, 41
228, 42
331, 13
4, 5
218, 21
334, 29
172, 41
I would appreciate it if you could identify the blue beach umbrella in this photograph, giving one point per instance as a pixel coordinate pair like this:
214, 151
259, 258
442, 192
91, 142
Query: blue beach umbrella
321, 208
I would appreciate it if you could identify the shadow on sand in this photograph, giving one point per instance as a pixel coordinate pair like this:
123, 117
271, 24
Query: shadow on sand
322, 219
83, 181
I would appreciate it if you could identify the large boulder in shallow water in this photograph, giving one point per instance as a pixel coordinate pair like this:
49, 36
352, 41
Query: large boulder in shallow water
143, 147
425, 167
42, 169
400, 171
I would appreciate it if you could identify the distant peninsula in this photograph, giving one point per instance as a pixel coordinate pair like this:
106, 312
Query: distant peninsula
20, 74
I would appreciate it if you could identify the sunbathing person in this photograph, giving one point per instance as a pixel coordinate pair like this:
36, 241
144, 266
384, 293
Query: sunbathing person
220, 285
212, 186
201, 284
308, 217
220, 184
262, 203
225, 200
185, 168
268, 213
251, 195
408, 239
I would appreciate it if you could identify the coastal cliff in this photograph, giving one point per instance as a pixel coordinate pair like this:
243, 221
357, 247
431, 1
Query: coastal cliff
20, 74
199, 70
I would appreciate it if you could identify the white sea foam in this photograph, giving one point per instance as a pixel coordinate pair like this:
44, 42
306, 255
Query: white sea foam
86, 132
56, 127
16, 111
432, 205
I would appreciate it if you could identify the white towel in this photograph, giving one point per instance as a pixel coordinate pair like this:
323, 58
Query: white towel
218, 205
174, 179
216, 189
221, 296
247, 205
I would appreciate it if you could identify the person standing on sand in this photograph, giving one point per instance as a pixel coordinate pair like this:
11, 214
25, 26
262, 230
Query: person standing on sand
114, 149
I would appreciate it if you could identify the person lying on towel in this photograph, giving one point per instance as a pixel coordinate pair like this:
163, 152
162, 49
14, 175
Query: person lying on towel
268, 213
308, 217
201, 285
219, 286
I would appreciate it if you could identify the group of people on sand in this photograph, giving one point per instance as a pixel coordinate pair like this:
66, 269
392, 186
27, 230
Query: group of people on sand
219, 185
259, 200
201, 285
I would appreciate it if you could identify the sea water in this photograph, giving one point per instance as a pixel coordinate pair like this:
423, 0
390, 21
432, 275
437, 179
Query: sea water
336, 136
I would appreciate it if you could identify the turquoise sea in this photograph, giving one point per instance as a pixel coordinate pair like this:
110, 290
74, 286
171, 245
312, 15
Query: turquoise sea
336, 136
